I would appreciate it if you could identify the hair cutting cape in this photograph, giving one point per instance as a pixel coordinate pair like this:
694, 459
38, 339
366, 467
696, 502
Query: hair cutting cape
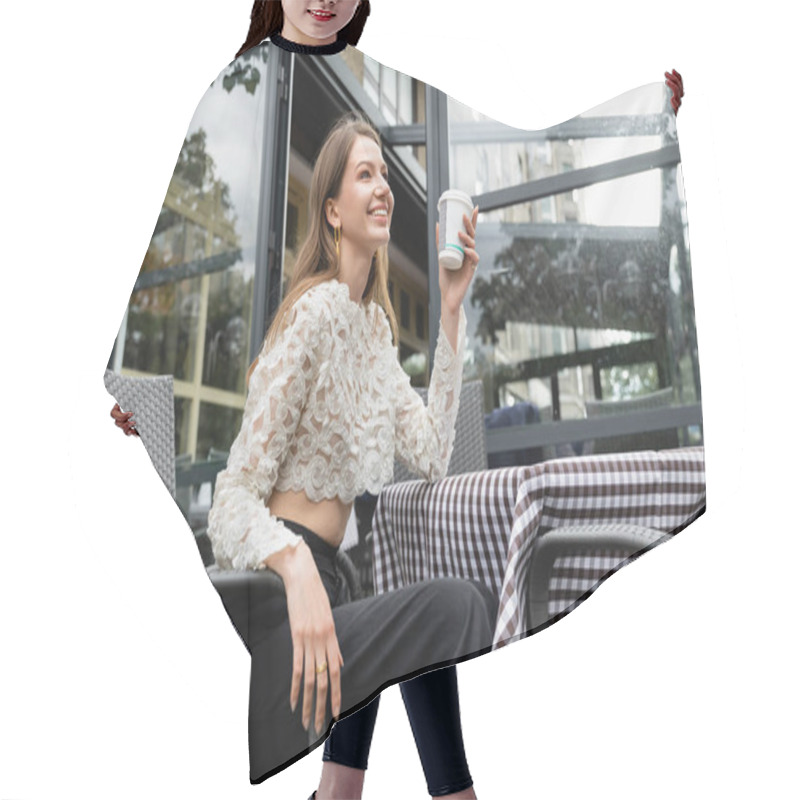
578, 444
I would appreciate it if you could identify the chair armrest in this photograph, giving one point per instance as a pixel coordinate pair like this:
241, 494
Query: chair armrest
628, 540
256, 599
250, 595
203, 543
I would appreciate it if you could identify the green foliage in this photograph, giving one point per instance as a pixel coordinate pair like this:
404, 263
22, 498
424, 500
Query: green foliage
244, 71
628, 381
197, 168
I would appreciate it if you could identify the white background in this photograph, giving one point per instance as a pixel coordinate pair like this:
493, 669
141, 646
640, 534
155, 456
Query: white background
121, 675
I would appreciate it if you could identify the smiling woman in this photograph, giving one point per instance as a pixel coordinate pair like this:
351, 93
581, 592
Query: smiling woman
327, 410
316, 22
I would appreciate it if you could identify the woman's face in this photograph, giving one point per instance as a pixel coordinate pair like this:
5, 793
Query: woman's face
363, 208
315, 22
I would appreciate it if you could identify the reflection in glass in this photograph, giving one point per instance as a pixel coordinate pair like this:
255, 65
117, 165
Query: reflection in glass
584, 305
399, 98
190, 313
213, 426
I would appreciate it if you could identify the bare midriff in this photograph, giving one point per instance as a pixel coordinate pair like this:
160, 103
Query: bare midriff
328, 518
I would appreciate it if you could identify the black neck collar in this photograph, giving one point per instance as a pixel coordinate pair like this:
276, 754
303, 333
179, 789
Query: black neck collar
308, 49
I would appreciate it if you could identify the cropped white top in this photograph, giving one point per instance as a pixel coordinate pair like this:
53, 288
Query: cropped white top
328, 408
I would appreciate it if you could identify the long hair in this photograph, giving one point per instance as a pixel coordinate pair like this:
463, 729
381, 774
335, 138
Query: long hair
266, 19
317, 260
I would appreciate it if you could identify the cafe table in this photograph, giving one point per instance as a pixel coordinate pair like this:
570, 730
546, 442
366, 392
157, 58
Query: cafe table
482, 525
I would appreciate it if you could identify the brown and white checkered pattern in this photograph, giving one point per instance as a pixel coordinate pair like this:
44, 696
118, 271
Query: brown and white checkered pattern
482, 525
575, 576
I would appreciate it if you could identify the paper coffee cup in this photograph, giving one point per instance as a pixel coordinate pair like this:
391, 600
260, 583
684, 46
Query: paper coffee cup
452, 206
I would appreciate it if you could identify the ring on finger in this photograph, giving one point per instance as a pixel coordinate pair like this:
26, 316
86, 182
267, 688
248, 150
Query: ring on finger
322, 667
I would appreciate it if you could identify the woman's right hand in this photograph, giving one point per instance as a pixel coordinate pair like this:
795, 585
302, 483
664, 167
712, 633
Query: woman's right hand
316, 658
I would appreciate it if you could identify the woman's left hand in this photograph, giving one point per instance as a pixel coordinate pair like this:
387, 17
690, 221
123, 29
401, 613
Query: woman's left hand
453, 283
124, 420
675, 82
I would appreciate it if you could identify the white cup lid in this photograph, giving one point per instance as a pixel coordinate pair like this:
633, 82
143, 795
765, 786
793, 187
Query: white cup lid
455, 194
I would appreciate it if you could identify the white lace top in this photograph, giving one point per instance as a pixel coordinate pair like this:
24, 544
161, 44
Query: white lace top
328, 408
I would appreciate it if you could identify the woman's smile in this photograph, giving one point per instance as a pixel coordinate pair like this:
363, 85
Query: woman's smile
380, 214
321, 16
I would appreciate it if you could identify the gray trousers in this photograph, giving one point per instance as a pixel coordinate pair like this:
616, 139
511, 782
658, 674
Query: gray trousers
383, 639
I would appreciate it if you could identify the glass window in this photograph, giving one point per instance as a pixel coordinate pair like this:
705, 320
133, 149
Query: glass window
420, 320
495, 160
405, 310
582, 307
182, 410
405, 109
372, 79
389, 94
228, 325
400, 98
215, 423
190, 312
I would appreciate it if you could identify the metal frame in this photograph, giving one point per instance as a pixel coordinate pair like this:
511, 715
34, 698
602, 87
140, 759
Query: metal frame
578, 178
271, 203
496, 132
437, 164
519, 437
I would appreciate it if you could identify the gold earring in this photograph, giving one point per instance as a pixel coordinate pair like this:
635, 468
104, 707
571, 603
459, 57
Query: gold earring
337, 238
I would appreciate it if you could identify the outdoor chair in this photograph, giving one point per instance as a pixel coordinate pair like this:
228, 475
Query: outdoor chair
567, 564
152, 401
469, 446
469, 455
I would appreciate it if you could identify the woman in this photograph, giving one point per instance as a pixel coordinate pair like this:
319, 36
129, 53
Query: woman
328, 405
394, 635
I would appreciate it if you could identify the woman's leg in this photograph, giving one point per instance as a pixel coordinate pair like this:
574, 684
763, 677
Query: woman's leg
431, 699
433, 711
351, 737
346, 754
382, 640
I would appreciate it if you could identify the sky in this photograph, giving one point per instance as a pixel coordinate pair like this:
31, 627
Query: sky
120, 675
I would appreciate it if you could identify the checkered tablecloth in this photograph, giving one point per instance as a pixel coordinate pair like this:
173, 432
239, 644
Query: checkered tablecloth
482, 525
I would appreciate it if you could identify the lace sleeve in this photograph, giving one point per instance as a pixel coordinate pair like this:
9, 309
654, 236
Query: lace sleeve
424, 435
242, 530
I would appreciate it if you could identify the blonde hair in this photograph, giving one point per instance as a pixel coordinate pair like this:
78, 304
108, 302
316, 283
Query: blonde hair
317, 261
